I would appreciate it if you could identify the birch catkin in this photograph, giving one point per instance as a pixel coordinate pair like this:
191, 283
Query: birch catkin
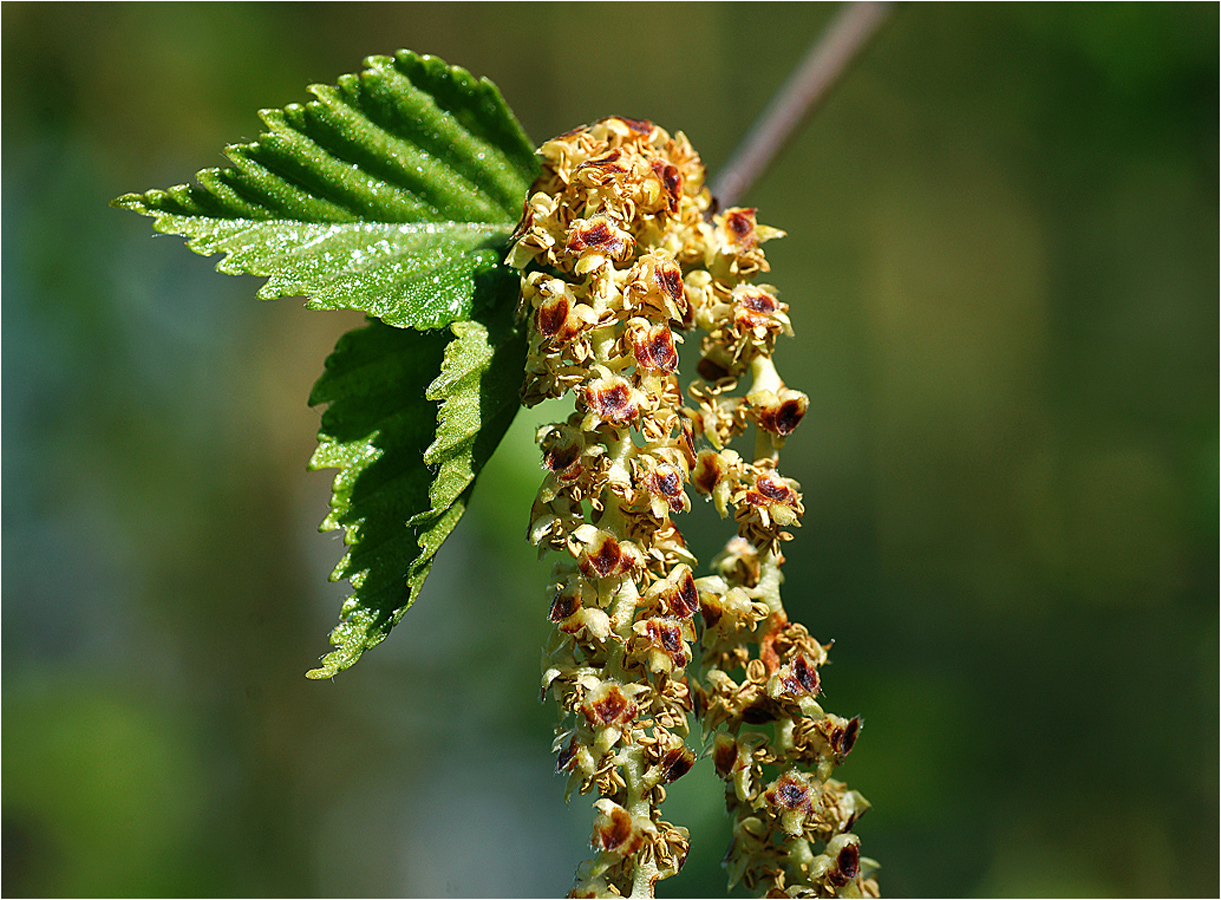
621, 252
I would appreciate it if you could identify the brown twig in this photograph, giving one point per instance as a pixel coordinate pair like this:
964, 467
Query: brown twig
826, 62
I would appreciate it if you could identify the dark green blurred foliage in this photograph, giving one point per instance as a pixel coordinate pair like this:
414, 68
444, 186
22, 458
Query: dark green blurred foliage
1002, 263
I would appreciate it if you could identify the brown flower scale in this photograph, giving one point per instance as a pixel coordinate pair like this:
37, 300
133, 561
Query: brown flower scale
620, 251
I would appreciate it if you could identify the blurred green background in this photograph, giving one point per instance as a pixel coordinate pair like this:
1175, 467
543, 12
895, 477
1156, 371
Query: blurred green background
1002, 262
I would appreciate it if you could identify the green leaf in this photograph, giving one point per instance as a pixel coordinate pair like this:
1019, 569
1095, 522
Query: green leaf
393, 192
407, 466
390, 192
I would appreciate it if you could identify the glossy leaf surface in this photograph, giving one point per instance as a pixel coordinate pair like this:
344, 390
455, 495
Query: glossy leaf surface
390, 193
406, 465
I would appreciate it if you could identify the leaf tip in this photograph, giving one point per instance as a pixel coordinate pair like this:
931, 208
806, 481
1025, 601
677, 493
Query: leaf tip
348, 646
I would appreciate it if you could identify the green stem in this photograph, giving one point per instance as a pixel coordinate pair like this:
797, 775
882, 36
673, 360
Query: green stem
765, 378
768, 589
644, 873
800, 857
764, 375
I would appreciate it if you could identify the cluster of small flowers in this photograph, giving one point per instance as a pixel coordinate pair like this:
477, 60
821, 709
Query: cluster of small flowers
602, 284
620, 249
778, 785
